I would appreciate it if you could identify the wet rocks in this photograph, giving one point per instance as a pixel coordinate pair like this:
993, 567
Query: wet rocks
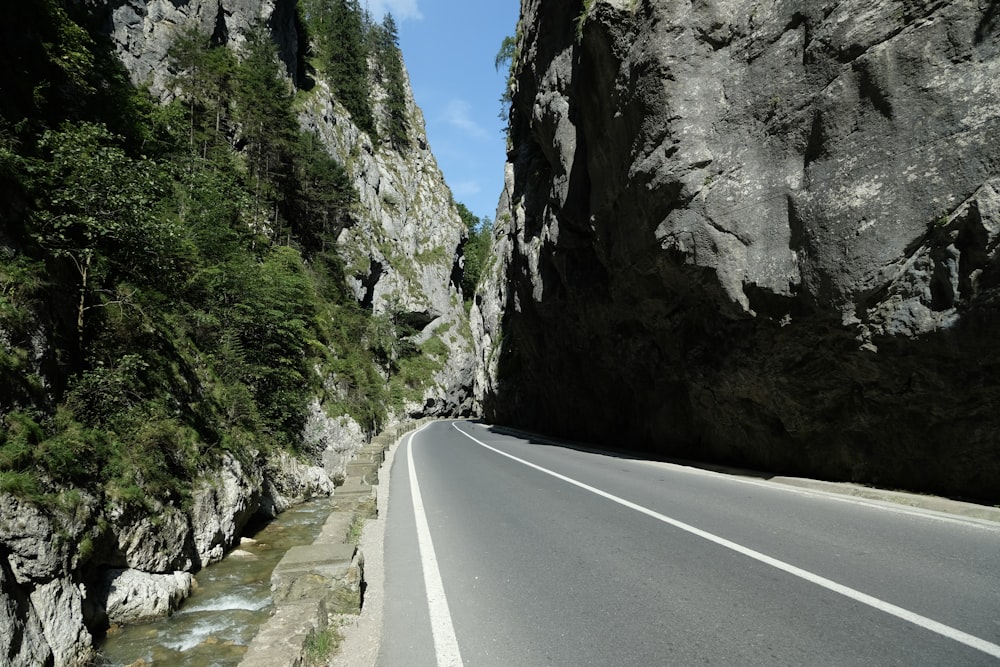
132, 596
222, 505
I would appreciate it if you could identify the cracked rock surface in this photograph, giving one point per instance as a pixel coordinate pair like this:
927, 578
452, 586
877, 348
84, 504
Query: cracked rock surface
758, 232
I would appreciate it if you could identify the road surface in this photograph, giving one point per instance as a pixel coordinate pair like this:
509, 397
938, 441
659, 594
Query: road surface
506, 551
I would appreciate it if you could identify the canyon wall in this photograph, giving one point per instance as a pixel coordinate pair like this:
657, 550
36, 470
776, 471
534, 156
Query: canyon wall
401, 250
757, 232
70, 567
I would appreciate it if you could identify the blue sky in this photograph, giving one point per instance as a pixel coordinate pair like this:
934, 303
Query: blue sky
449, 47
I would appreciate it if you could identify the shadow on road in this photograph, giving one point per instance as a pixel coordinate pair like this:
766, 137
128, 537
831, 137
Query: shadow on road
634, 455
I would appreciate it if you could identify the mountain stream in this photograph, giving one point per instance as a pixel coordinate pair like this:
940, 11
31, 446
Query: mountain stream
231, 601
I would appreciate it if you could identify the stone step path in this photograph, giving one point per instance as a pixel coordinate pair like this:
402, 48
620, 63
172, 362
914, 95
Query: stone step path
314, 583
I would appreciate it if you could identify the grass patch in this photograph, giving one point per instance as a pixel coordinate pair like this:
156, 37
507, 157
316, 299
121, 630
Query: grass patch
321, 645
21, 484
354, 530
582, 18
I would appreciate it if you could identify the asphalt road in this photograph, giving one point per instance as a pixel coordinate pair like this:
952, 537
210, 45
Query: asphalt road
518, 552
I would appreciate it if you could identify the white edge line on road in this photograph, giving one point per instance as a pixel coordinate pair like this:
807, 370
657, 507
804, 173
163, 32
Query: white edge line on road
860, 501
971, 641
445, 641
785, 487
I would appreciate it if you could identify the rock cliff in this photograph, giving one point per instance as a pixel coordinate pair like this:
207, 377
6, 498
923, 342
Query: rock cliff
757, 232
92, 560
401, 251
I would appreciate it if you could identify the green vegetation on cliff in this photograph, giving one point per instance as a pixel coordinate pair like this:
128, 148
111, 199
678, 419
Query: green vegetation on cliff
390, 62
338, 28
169, 288
474, 250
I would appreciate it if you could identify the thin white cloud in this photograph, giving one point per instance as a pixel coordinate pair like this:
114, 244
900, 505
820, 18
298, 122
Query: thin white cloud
401, 9
457, 114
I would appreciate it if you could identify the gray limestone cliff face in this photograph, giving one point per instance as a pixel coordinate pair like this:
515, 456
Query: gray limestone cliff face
144, 30
758, 232
401, 251
65, 572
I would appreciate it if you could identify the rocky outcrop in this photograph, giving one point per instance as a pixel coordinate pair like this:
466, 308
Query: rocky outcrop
144, 30
288, 481
23, 642
132, 596
758, 232
59, 605
334, 439
221, 506
401, 252
43, 598
158, 542
71, 566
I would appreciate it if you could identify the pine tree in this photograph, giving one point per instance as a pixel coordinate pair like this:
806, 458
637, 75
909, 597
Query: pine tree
205, 81
395, 84
267, 125
475, 248
323, 196
346, 61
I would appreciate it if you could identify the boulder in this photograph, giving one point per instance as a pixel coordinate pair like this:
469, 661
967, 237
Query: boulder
131, 596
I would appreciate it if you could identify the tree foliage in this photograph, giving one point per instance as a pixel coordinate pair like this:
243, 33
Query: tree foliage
339, 29
391, 64
268, 129
475, 249
93, 212
177, 260
505, 60
323, 196
206, 79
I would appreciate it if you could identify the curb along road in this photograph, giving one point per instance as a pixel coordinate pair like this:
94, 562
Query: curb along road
362, 634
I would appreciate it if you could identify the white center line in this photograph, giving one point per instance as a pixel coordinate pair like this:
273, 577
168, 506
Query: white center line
971, 641
445, 642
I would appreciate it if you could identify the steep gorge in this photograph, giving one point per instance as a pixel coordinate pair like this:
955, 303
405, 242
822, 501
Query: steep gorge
760, 233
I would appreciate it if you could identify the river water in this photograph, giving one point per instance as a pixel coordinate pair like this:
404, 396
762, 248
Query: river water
232, 600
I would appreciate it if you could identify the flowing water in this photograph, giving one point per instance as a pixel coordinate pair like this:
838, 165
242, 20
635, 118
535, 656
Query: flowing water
231, 601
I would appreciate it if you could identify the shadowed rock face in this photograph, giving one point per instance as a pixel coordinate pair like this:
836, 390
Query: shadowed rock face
757, 232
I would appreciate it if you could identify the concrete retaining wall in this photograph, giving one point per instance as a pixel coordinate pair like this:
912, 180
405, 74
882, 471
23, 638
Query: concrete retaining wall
314, 583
